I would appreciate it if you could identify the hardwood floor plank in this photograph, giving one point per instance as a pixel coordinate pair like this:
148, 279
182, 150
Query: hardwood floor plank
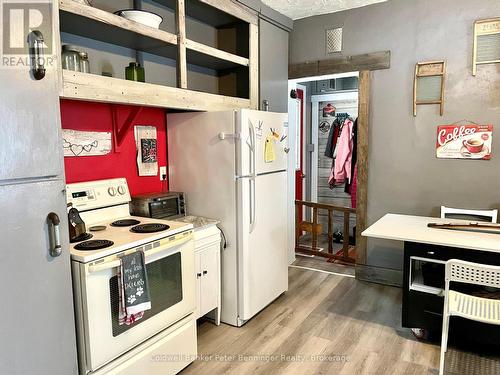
355, 326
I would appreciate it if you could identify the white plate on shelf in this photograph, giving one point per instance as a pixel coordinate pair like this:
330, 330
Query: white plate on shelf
141, 16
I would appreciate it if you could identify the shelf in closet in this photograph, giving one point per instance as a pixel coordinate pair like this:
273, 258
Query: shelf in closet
93, 23
91, 87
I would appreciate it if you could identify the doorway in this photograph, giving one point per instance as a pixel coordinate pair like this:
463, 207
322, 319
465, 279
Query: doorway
330, 214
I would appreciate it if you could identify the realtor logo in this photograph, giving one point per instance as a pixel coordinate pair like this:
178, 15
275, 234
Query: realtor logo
21, 18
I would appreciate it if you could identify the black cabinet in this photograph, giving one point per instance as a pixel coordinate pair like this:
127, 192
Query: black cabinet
423, 284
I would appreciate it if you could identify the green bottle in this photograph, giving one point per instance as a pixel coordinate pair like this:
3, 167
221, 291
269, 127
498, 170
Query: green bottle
135, 72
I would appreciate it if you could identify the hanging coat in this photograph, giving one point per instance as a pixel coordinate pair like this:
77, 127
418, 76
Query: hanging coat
342, 169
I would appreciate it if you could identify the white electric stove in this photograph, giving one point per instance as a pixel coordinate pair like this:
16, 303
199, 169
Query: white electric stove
169, 327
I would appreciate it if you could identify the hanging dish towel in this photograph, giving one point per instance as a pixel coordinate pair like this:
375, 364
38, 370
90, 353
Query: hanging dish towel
133, 288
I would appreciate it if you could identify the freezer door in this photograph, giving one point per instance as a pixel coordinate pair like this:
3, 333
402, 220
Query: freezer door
263, 143
262, 245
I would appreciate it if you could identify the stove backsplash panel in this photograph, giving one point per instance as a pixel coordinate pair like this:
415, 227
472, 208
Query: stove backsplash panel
88, 116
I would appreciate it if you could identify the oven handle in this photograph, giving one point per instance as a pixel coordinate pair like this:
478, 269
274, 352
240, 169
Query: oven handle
147, 254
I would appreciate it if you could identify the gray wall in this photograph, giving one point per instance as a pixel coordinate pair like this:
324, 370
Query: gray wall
404, 174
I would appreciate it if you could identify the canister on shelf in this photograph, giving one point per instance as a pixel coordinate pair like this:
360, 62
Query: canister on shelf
135, 72
70, 58
84, 62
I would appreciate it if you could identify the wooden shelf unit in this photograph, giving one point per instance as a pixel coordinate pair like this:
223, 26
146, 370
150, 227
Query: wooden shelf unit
89, 22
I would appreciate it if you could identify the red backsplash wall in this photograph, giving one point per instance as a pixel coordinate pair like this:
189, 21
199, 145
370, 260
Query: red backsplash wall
98, 117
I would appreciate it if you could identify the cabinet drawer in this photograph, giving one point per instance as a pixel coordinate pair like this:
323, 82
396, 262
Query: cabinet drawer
446, 253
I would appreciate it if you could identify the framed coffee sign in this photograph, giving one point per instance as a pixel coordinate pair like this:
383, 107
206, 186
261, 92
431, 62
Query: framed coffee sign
464, 141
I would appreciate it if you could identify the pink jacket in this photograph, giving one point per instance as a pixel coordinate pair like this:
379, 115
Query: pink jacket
343, 161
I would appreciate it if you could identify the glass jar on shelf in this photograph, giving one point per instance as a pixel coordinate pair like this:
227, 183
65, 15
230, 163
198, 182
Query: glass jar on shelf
135, 72
70, 58
84, 62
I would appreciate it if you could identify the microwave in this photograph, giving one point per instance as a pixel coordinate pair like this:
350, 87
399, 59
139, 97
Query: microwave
166, 206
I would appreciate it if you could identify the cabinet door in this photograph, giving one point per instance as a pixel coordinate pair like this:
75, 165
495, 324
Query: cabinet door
273, 67
209, 290
30, 135
197, 267
37, 328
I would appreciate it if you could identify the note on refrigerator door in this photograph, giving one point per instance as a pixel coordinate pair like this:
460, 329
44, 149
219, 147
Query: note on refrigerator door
269, 153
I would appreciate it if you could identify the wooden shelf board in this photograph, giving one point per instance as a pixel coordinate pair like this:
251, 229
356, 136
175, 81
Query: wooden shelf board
203, 12
90, 87
203, 55
106, 27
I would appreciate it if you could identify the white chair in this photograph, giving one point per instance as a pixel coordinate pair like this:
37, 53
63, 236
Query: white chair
447, 211
483, 310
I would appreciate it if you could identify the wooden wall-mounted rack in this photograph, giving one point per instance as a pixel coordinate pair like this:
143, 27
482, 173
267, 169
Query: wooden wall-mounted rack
486, 48
428, 84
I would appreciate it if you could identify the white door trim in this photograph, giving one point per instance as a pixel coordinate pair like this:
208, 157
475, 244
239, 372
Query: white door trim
315, 100
314, 154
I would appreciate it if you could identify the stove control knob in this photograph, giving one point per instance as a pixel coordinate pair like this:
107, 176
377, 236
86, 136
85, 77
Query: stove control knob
112, 191
121, 189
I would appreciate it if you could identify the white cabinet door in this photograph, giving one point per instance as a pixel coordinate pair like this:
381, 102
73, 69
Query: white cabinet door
209, 280
197, 267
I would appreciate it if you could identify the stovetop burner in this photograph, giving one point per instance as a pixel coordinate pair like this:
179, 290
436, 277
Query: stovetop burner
149, 228
125, 223
93, 245
81, 237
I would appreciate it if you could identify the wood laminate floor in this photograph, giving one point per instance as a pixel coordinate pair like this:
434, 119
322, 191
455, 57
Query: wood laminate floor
327, 324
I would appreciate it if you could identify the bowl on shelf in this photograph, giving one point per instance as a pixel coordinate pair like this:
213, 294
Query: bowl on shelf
141, 16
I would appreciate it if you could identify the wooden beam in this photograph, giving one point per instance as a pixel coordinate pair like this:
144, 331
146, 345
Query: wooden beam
181, 44
314, 232
302, 70
92, 87
345, 245
385, 276
325, 206
254, 66
234, 9
342, 64
362, 162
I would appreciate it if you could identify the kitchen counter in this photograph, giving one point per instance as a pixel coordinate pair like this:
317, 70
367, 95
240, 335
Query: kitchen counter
198, 222
414, 229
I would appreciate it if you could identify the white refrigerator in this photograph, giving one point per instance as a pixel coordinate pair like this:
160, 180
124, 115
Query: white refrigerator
232, 166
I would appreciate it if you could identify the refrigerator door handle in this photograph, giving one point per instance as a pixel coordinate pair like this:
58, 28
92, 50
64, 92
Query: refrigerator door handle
253, 175
252, 203
252, 147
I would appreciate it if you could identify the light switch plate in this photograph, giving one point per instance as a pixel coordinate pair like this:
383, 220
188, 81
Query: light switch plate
163, 172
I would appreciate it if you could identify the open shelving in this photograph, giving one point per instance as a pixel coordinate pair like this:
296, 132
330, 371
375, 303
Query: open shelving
417, 279
225, 61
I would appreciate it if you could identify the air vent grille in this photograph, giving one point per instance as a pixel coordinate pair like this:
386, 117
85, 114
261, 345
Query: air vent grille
334, 40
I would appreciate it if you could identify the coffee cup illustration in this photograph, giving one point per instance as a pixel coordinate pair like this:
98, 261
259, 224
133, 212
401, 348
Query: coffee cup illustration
474, 145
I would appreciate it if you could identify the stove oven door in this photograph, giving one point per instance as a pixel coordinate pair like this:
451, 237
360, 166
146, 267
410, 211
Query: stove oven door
171, 278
